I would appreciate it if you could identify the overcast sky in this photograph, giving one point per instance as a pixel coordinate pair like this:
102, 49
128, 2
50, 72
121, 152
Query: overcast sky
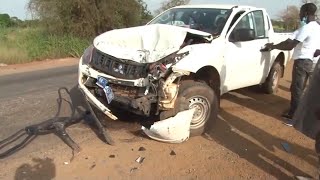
18, 7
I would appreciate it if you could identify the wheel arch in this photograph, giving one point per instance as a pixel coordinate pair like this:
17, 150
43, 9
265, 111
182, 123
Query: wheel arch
209, 75
281, 60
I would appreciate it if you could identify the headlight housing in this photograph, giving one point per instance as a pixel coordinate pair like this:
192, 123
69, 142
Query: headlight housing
87, 55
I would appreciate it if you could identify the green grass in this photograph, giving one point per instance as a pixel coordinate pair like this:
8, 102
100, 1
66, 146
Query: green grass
21, 45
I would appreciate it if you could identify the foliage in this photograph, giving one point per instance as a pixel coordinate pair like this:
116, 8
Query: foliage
88, 18
5, 20
169, 4
27, 44
290, 17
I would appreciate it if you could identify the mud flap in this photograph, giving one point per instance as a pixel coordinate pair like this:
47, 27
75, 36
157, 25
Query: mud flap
172, 130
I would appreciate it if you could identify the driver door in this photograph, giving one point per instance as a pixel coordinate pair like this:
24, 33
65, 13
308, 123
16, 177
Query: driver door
242, 55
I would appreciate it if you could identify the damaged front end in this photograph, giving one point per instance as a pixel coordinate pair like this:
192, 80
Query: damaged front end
136, 74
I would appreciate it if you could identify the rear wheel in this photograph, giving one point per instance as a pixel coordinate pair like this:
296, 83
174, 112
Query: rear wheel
270, 86
196, 95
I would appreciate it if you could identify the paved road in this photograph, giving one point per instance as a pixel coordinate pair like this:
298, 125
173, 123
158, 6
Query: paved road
31, 97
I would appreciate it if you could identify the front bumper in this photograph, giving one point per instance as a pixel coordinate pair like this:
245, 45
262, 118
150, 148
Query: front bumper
86, 73
92, 99
139, 96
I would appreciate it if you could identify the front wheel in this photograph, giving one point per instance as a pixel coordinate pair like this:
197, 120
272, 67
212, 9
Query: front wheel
200, 96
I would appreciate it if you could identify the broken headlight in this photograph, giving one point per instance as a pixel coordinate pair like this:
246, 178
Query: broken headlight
87, 55
178, 57
160, 68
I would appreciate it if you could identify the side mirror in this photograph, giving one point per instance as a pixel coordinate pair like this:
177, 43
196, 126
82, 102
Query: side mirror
243, 35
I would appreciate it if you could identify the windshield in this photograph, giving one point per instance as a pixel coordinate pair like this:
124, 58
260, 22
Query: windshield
204, 19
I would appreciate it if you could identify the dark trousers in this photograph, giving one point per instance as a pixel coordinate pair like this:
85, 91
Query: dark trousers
302, 71
317, 147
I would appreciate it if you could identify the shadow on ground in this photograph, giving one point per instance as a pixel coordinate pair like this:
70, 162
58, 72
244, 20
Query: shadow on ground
284, 88
228, 130
71, 106
40, 169
266, 104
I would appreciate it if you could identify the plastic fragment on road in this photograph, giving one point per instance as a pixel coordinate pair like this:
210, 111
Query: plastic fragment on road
172, 130
140, 159
142, 149
172, 153
286, 147
133, 169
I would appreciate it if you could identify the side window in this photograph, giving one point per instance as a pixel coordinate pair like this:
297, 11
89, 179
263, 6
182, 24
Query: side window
245, 23
235, 18
244, 30
259, 24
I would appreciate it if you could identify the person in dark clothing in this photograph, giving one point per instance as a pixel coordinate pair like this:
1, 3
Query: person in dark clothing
305, 42
307, 116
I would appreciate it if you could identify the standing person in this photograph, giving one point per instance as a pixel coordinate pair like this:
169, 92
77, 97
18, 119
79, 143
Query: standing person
305, 42
307, 116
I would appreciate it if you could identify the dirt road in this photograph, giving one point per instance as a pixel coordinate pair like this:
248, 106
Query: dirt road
244, 144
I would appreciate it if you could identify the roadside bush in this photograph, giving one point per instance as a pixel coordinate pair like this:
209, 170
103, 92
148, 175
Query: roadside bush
88, 18
22, 45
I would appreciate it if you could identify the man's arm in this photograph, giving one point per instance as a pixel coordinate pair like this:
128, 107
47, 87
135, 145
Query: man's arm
286, 45
298, 36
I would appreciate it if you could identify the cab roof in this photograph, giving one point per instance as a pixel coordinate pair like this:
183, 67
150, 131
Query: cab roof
215, 6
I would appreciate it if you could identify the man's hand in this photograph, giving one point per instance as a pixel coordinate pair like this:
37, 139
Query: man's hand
270, 46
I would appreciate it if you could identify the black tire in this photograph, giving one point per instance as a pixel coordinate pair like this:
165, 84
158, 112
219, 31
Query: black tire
196, 93
271, 85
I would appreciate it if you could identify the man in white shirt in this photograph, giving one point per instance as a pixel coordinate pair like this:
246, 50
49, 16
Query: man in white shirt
305, 41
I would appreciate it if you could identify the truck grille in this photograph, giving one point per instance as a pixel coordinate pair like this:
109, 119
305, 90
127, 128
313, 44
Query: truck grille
117, 68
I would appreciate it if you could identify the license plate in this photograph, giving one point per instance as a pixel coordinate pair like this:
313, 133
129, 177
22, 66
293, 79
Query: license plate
103, 83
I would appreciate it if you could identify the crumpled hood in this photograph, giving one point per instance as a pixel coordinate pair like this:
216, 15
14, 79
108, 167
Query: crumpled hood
145, 44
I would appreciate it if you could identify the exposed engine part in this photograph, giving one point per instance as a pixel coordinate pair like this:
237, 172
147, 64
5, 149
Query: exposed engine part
169, 90
144, 104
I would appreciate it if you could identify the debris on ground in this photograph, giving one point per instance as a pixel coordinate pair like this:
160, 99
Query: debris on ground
172, 153
133, 169
93, 166
112, 156
302, 178
286, 147
142, 149
140, 159
66, 163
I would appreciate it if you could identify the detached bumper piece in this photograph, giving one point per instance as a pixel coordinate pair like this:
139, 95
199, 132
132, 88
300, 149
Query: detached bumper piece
172, 130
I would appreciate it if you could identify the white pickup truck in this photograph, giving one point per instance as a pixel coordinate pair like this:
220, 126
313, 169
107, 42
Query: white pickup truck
186, 57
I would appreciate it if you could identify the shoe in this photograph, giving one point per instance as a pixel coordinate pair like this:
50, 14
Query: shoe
289, 122
286, 115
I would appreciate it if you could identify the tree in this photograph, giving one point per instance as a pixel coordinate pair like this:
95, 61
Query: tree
290, 17
146, 15
169, 4
5, 20
88, 18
